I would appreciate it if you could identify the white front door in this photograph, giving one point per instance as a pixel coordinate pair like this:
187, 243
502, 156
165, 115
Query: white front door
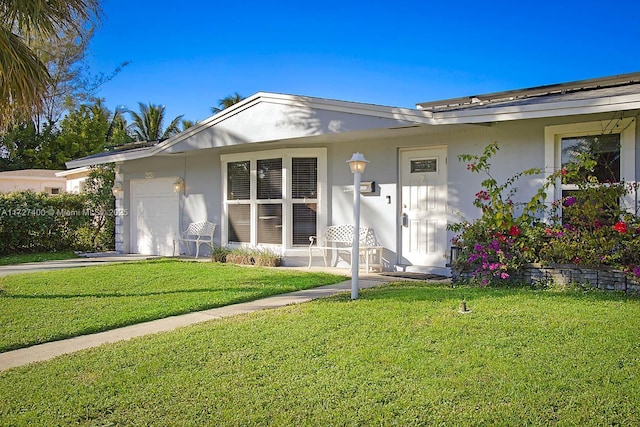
423, 179
154, 216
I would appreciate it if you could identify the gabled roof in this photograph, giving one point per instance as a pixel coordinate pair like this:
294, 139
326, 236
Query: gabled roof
270, 117
266, 117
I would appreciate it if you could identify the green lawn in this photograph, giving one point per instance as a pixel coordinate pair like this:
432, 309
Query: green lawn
41, 307
37, 257
400, 355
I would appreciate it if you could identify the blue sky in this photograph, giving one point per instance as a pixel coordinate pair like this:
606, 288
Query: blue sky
188, 55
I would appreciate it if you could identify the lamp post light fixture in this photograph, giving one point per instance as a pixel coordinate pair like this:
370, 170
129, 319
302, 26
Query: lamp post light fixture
357, 163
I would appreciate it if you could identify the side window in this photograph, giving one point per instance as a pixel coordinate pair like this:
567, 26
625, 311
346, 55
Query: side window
604, 149
611, 144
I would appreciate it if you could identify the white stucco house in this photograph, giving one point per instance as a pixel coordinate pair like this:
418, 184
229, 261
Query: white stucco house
36, 180
271, 170
75, 179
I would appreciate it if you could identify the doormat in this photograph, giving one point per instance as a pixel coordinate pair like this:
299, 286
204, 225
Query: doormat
414, 275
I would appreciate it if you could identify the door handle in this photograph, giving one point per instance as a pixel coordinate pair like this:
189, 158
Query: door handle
405, 220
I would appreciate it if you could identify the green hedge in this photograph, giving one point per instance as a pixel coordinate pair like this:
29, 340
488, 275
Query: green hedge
36, 222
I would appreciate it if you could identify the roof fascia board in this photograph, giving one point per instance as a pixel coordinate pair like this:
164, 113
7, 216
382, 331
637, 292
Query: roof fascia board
535, 91
553, 109
115, 157
73, 171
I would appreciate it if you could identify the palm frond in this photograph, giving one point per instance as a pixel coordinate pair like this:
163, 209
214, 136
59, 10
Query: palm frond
23, 79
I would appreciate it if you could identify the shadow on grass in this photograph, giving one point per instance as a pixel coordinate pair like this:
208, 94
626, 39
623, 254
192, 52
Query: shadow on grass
237, 299
136, 294
438, 292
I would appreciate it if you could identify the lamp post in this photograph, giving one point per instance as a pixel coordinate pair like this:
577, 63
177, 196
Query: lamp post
357, 163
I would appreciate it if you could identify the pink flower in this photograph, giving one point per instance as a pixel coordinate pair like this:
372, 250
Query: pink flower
620, 227
504, 275
482, 195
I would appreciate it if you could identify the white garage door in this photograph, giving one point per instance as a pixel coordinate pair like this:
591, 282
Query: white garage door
154, 216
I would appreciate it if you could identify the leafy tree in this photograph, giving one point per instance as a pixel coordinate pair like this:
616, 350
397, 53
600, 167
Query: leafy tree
21, 146
100, 235
83, 132
24, 75
147, 125
227, 102
86, 130
117, 134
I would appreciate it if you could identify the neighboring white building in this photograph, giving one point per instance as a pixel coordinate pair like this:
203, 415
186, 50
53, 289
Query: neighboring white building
36, 180
271, 170
75, 179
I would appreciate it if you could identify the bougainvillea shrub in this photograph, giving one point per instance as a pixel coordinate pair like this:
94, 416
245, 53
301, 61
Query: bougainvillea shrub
586, 226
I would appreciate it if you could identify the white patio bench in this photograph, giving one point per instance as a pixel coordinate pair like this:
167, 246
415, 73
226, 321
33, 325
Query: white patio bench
198, 232
339, 238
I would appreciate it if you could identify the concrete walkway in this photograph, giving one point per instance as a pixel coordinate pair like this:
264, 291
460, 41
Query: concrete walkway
46, 351
83, 261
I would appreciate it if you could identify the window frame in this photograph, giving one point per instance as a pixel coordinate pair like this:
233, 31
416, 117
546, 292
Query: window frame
287, 200
553, 135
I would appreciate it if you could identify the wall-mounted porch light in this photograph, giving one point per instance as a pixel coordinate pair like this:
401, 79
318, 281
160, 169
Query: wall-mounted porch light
178, 185
117, 189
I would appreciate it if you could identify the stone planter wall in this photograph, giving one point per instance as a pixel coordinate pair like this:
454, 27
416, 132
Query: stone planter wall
601, 278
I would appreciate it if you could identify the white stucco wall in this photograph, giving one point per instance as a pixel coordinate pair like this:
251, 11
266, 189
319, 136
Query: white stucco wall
521, 146
268, 121
9, 184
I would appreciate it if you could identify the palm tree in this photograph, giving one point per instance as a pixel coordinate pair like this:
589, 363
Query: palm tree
227, 102
186, 124
147, 124
23, 76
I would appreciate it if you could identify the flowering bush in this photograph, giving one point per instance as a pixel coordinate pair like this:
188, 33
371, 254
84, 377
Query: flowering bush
494, 246
586, 227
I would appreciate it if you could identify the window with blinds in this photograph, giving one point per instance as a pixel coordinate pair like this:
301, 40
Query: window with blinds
304, 222
304, 178
239, 223
271, 198
270, 223
269, 179
239, 180
304, 188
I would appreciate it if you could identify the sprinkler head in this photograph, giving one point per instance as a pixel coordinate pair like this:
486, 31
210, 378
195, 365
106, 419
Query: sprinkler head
463, 308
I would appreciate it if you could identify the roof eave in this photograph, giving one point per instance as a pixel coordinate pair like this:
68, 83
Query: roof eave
112, 158
533, 111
